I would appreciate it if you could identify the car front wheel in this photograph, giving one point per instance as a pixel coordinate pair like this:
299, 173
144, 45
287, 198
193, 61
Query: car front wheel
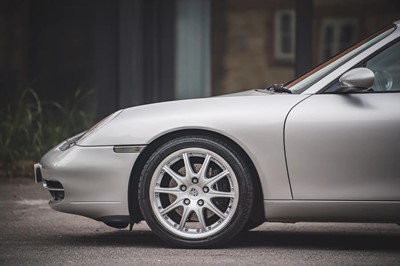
195, 192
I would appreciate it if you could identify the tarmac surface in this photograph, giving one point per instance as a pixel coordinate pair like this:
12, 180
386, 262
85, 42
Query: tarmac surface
31, 233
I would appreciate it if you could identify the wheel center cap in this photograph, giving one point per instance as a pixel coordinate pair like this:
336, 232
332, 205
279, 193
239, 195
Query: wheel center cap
194, 192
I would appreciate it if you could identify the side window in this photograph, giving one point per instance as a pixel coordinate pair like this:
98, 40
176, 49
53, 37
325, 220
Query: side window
386, 66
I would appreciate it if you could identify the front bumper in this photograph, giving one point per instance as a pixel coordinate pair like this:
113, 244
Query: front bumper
37, 168
54, 187
88, 181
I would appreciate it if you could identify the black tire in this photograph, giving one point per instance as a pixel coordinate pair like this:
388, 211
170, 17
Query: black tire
216, 206
251, 224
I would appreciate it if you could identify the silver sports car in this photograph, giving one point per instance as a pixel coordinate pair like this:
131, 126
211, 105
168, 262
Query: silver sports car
324, 147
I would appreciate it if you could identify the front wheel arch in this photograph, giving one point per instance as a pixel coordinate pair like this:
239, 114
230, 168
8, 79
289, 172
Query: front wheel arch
257, 213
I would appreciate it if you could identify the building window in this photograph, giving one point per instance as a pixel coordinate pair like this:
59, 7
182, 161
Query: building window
285, 35
336, 36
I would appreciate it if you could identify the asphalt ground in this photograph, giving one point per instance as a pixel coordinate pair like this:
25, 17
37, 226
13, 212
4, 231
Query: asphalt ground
31, 233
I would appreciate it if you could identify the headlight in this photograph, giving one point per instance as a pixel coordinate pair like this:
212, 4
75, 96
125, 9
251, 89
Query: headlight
71, 141
100, 124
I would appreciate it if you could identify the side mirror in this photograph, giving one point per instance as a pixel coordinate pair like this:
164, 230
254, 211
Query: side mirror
357, 79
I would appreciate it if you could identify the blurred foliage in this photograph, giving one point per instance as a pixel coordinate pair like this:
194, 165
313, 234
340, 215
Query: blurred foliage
30, 127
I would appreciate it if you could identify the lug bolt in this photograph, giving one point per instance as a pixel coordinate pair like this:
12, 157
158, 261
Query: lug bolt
200, 202
195, 180
186, 201
206, 189
183, 188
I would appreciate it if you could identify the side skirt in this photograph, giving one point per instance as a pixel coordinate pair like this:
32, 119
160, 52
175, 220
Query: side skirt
332, 211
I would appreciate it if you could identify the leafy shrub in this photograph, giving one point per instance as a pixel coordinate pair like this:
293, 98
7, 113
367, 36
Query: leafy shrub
30, 127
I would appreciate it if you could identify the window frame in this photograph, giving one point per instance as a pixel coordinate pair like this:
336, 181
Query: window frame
279, 54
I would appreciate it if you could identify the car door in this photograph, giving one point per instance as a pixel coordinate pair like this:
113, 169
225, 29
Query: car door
346, 146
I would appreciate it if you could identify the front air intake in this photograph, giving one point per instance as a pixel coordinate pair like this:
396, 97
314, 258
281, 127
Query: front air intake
55, 188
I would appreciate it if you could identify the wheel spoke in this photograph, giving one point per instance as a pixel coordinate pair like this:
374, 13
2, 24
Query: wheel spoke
200, 216
214, 209
203, 170
177, 203
188, 167
185, 215
220, 194
194, 192
211, 181
168, 190
177, 177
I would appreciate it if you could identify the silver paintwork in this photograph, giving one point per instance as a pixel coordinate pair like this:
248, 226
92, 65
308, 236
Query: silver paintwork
332, 211
260, 132
325, 157
348, 150
95, 179
358, 78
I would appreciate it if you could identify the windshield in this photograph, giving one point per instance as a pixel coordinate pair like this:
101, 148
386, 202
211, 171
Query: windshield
307, 80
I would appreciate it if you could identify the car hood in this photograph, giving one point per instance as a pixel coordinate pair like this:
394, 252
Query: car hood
142, 124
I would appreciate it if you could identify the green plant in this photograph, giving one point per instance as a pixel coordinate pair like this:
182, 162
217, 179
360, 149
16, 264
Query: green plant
30, 127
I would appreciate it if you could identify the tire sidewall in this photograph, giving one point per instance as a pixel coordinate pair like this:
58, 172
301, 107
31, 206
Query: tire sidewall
245, 200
